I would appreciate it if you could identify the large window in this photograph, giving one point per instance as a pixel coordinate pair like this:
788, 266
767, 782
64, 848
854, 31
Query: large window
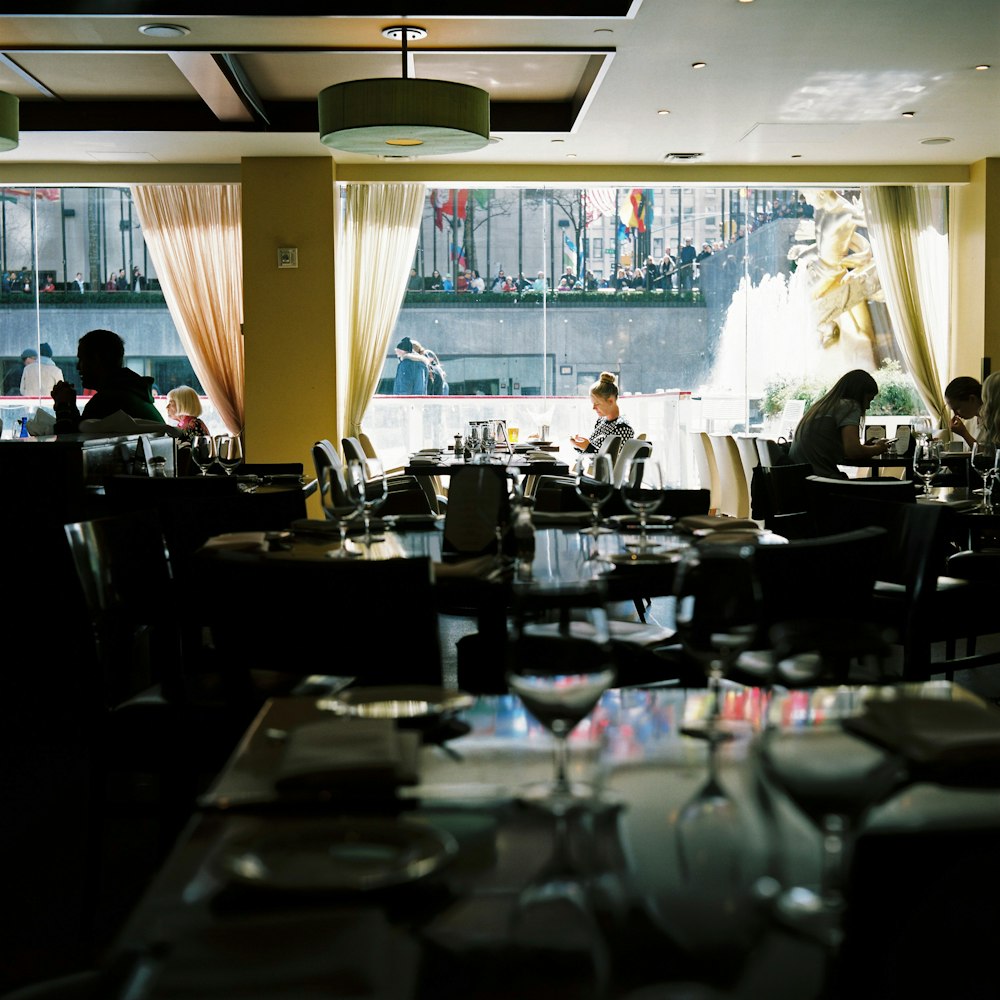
71, 260
734, 300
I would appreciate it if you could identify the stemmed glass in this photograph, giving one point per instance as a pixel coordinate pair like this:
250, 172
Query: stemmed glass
922, 426
229, 452
595, 484
559, 670
203, 452
642, 491
984, 459
374, 491
718, 605
339, 505
927, 461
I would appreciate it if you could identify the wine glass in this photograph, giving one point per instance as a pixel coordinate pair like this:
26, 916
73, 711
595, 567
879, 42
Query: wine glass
370, 476
927, 461
594, 485
984, 458
229, 452
203, 452
559, 670
717, 610
922, 426
341, 502
642, 491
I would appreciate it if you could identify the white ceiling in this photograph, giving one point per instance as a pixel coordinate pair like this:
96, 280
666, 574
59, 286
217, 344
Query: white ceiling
826, 83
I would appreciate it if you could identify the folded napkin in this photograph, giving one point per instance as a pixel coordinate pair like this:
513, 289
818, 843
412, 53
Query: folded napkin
541, 456
706, 522
957, 741
348, 752
240, 541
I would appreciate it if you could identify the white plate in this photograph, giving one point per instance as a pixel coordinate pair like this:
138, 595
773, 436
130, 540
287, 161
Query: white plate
354, 855
412, 701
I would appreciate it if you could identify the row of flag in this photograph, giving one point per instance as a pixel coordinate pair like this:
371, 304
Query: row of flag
634, 212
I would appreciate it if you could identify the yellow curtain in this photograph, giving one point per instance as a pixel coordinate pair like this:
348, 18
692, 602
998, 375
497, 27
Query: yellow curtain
376, 237
194, 233
912, 262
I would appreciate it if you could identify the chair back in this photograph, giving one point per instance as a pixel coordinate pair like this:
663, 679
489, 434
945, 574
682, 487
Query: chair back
830, 500
770, 452
611, 445
685, 503
478, 504
708, 471
325, 457
366, 444
125, 578
746, 444
635, 448
353, 452
734, 493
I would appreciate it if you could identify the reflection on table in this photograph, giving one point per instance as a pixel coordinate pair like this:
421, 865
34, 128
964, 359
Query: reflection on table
598, 902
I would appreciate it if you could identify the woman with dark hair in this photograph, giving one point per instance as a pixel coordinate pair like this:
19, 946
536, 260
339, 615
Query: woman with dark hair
604, 399
964, 396
830, 432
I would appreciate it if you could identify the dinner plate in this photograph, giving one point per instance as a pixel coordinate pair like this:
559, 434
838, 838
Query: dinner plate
342, 855
412, 701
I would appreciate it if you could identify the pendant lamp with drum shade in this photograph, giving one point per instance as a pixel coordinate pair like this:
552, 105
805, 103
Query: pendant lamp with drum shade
404, 117
9, 122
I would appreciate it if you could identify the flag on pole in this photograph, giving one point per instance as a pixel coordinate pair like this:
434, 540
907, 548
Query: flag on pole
457, 253
637, 213
569, 252
599, 203
447, 202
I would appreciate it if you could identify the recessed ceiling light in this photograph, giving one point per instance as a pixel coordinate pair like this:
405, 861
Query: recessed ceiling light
494, 139
164, 30
571, 156
698, 65
746, 1
558, 140
795, 156
983, 66
663, 111
941, 140
603, 31
909, 114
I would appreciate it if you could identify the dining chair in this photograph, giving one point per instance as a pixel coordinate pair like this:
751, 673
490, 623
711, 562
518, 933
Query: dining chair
436, 493
828, 500
325, 457
746, 444
478, 511
407, 494
558, 493
708, 470
781, 501
734, 494
630, 450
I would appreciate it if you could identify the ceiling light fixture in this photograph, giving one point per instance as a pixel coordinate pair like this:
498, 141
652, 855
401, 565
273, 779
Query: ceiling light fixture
9, 122
941, 140
909, 114
663, 111
698, 65
424, 117
983, 66
164, 30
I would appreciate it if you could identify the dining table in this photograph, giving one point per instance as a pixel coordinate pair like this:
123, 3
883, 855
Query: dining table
320, 864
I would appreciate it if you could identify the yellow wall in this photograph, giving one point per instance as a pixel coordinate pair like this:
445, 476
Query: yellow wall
288, 313
975, 242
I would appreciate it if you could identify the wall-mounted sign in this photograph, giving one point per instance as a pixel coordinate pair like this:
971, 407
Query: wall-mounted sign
565, 369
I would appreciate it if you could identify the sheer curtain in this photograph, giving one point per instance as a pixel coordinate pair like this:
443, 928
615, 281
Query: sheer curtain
194, 233
376, 237
912, 261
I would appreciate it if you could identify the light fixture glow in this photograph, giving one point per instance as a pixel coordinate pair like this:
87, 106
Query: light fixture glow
9, 122
983, 66
698, 65
164, 30
663, 111
941, 140
427, 117
909, 114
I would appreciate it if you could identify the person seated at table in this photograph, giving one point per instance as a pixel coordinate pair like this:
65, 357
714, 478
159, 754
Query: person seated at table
100, 360
604, 399
989, 414
830, 432
184, 406
964, 396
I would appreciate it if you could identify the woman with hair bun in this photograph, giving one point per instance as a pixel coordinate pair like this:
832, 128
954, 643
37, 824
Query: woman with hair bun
604, 399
